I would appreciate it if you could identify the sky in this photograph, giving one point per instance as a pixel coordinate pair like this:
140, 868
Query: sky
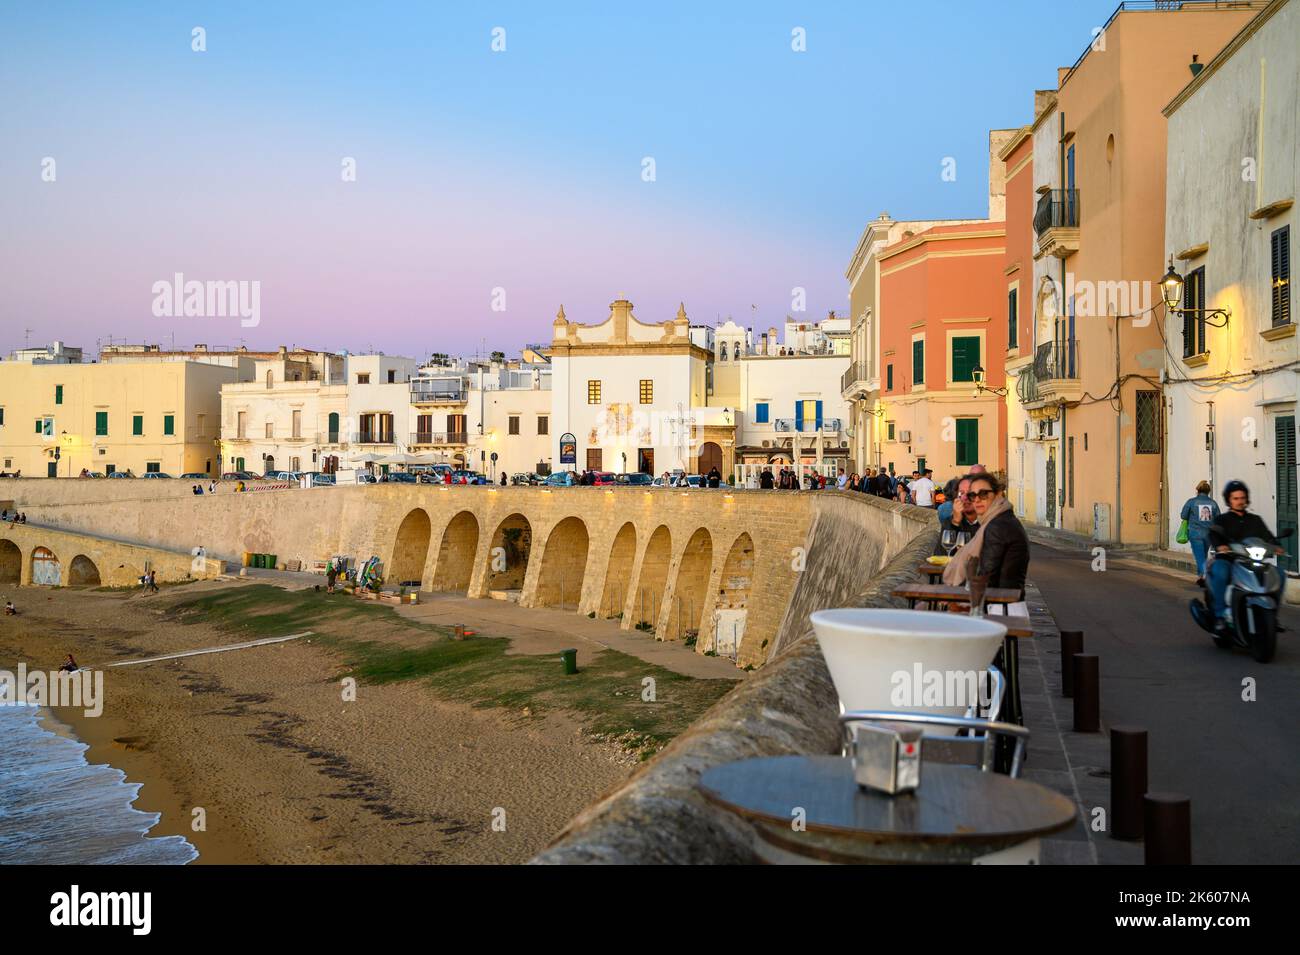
662, 152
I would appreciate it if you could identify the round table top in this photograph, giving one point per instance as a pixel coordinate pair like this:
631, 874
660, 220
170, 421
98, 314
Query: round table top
953, 804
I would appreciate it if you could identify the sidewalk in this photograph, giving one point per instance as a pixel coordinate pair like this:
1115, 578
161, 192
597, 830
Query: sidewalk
1061, 539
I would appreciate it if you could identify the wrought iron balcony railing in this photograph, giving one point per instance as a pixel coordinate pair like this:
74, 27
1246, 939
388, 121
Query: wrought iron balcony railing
1057, 209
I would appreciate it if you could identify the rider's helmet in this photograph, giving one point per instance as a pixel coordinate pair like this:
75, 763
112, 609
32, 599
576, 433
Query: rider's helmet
1233, 486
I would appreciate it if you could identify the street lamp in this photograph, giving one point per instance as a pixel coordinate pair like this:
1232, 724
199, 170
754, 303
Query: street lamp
977, 375
1171, 290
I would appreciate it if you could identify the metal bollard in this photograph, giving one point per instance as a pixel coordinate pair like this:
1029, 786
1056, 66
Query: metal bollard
1087, 693
1071, 643
1128, 780
1167, 819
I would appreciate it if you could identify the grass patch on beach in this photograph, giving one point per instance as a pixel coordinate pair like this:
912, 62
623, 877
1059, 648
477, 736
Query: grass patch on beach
606, 692
263, 610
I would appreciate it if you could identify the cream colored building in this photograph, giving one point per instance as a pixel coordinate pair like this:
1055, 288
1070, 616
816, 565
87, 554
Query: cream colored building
1230, 226
160, 416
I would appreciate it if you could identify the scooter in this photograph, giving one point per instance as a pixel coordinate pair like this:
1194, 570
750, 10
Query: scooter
1253, 595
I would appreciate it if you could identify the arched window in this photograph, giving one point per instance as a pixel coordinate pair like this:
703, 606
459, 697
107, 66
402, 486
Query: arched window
735, 351
270, 379
723, 354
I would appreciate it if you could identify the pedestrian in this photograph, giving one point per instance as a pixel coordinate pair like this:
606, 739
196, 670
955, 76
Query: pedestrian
153, 581
841, 480
331, 575
10, 609
1198, 514
503, 478
715, 477
921, 489
765, 480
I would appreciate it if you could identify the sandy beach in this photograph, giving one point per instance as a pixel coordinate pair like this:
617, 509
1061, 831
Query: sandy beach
283, 768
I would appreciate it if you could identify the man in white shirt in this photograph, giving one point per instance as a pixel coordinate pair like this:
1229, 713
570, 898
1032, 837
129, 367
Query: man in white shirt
922, 490
842, 480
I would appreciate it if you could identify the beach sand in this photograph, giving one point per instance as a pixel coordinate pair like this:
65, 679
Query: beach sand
283, 768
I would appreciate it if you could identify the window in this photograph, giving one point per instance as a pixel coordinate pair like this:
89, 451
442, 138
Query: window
968, 442
137, 424
593, 392
2, 417
889, 377
363, 378
647, 391
58, 394
153, 467
594, 459
392, 376
1069, 471
965, 356
1013, 316
1281, 240
543, 424
1194, 313
760, 413
241, 427
45, 426
169, 424
270, 429
918, 362
514, 424
101, 423
1147, 422
889, 430
808, 415
297, 425
270, 379
202, 425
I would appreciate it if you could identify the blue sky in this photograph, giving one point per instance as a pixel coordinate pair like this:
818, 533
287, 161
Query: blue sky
479, 170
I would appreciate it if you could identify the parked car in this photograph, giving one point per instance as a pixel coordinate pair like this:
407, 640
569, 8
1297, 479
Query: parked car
399, 477
193, 476
562, 479
157, 474
319, 478
602, 478
635, 479
238, 476
121, 474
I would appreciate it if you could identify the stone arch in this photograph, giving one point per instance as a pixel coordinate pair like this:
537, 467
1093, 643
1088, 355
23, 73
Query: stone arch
456, 553
512, 545
11, 562
564, 563
46, 569
82, 571
653, 579
734, 589
691, 588
618, 572
410, 549
710, 457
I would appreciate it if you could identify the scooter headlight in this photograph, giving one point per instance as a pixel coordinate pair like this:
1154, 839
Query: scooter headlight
1256, 553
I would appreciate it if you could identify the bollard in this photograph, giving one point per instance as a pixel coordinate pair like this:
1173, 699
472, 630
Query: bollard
1128, 780
1071, 643
1167, 821
1087, 693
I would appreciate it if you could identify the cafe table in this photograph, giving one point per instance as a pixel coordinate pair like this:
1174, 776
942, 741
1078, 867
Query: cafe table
810, 809
935, 594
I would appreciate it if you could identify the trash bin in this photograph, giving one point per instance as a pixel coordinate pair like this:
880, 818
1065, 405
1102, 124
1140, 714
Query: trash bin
271, 563
570, 660
248, 558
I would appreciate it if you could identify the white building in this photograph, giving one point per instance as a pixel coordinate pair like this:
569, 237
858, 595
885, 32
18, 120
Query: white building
1230, 379
632, 396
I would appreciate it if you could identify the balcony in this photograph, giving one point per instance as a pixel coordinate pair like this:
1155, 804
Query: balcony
368, 437
1056, 223
1053, 378
855, 382
827, 426
438, 438
439, 391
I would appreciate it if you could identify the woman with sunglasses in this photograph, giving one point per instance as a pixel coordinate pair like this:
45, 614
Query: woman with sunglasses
1000, 544
959, 523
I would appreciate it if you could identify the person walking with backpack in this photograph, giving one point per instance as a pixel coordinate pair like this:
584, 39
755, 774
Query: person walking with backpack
1198, 514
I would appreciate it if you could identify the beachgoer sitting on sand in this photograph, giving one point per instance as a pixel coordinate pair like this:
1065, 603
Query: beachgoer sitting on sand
69, 665
10, 609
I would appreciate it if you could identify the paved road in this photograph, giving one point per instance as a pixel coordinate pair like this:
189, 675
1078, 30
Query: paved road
1238, 761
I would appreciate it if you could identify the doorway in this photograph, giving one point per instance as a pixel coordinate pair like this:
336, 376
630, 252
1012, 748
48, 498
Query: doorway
1284, 437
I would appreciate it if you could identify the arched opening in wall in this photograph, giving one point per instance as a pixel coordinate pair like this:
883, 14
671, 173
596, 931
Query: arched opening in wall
653, 579
710, 457
411, 549
564, 563
456, 554
692, 587
11, 562
512, 543
83, 572
46, 569
733, 598
618, 572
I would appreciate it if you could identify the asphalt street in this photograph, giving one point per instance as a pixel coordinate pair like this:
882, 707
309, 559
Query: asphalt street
1239, 761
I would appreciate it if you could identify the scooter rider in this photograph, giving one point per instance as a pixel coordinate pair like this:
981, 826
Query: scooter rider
1231, 527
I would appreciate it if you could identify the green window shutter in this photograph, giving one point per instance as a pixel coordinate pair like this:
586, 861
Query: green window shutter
169, 424
889, 377
968, 441
965, 356
1013, 331
918, 362
101, 423
137, 424
58, 394
40, 426
1281, 274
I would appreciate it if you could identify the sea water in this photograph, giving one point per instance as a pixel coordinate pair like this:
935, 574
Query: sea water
56, 808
